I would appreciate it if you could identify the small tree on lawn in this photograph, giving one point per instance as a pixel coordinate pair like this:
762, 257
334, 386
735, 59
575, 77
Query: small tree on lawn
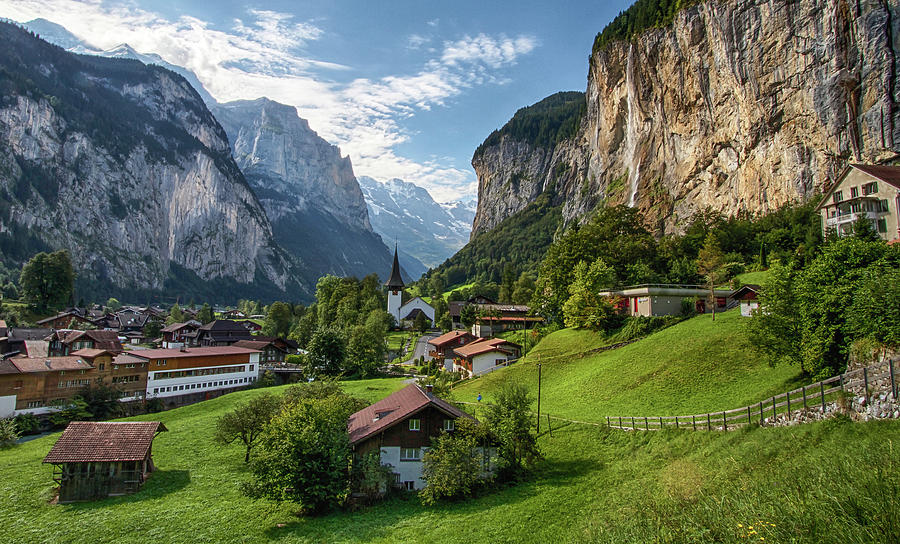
452, 467
9, 433
711, 265
304, 455
511, 422
246, 422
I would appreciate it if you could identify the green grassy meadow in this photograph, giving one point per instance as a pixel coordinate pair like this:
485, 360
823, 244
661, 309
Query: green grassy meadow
696, 366
830, 482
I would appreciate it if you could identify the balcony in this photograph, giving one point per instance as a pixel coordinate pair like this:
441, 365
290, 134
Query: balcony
851, 217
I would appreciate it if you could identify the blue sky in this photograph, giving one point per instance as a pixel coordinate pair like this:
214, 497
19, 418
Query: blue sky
407, 89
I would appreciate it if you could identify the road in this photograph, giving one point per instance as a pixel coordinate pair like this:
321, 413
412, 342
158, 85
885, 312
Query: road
421, 348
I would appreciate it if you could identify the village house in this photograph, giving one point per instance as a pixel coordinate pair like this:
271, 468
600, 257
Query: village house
747, 295
24, 341
220, 332
485, 355
69, 319
442, 347
188, 375
64, 342
665, 299
492, 317
43, 385
399, 428
251, 326
120, 371
863, 191
271, 351
177, 335
94, 460
404, 314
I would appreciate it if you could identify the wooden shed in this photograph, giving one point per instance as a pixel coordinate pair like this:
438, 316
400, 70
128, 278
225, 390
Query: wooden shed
94, 460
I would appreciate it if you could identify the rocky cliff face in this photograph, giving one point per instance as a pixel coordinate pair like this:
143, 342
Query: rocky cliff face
307, 188
124, 166
738, 105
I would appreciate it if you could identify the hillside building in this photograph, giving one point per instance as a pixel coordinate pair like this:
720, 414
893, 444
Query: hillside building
442, 347
863, 191
404, 313
94, 460
400, 428
748, 296
187, 375
485, 355
666, 299
42, 385
494, 318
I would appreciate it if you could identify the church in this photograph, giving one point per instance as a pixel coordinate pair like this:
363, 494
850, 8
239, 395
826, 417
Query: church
404, 312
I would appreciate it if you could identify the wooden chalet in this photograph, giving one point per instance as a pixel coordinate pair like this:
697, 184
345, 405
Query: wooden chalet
177, 335
69, 319
400, 427
271, 351
221, 332
64, 342
18, 340
748, 295
442, 347
93, 460
485, 355
41, 385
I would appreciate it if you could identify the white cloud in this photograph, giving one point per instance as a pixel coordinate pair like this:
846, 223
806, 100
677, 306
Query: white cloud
263, 55
415, 41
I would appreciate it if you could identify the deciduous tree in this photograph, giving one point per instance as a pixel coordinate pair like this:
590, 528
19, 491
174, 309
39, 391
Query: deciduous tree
246, 422
48, 280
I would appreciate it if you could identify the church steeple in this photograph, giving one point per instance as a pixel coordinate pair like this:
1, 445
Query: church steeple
395, 283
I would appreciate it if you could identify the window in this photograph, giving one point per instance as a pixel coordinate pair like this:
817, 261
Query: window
883, 205
155, 390
251, 368
854, 192
62, 372
410, 454
34, 404
415, 424
882, 225
837, 197
449, 424
870, 188
18, 384
161, 362
409, 485
102, 366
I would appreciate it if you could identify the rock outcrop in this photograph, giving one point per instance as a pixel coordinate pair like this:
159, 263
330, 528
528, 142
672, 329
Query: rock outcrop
737, 105
123, 165
308, 190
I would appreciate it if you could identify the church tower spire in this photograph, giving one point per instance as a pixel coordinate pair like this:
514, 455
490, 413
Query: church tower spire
395, 289
396, 280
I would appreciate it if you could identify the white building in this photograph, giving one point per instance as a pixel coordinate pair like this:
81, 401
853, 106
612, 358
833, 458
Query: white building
404, 312
204, 371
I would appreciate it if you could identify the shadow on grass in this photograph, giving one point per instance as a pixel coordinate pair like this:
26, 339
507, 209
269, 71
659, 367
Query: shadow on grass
160, 484
380, 520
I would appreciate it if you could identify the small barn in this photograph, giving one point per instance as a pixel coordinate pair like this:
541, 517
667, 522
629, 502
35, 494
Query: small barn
748, 295
93, 460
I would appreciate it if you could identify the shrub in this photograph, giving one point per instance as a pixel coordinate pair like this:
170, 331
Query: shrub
9, 433
27, 424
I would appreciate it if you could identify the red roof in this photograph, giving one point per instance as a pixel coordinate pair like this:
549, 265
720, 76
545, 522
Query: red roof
887, 174
89, 441
393, 409
176, 353
252, 344
484, 345
90, 353
49, 364
449, 337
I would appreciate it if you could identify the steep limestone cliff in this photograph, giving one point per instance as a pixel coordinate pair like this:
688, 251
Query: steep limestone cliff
737, 105
123, 165
307, 188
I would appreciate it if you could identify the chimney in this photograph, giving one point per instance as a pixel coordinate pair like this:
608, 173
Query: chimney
429, 389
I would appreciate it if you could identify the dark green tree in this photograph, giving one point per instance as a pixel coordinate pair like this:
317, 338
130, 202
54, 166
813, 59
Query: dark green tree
452, 468
205, 315
510, 420
48, 280
279, 319
327, 351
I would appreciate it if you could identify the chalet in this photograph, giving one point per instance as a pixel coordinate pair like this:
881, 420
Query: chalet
120, 371
94, 460
666, 299
44, 385
64, 342
131, 320
400, 428
177, 335
494, 318
404, 313
442, 347
69, 319
221, 332
863, 191
748, 295
485, 355
234, 314
251, 326
19, 340
186, 375
270, 351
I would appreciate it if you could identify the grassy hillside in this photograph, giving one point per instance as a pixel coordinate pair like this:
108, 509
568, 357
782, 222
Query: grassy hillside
832, 482
698, 365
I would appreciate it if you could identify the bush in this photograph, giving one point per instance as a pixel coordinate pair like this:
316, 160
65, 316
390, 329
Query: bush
640, 326
27, 424
9, 433
452, 467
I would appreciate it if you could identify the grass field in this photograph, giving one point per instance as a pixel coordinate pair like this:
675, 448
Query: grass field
753, 277
827, 482
698, 365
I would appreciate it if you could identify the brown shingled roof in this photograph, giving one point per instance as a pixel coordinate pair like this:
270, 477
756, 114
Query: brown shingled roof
485, 345
449, 337
393, 409
190, 352
887, 174
90, 441
49, 364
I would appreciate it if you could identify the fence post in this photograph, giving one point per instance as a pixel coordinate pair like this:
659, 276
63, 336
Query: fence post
842, 382
866, 383
804, 397
761, 419
822, 389
620, 422
789, 404
708, 423
694, 422
724, 421
633, 428
660, 423
774, 409
646, 423
749, 418
893, 387
607, 421
676, 422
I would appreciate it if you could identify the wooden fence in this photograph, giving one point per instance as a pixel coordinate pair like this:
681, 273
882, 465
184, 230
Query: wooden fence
866, 382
